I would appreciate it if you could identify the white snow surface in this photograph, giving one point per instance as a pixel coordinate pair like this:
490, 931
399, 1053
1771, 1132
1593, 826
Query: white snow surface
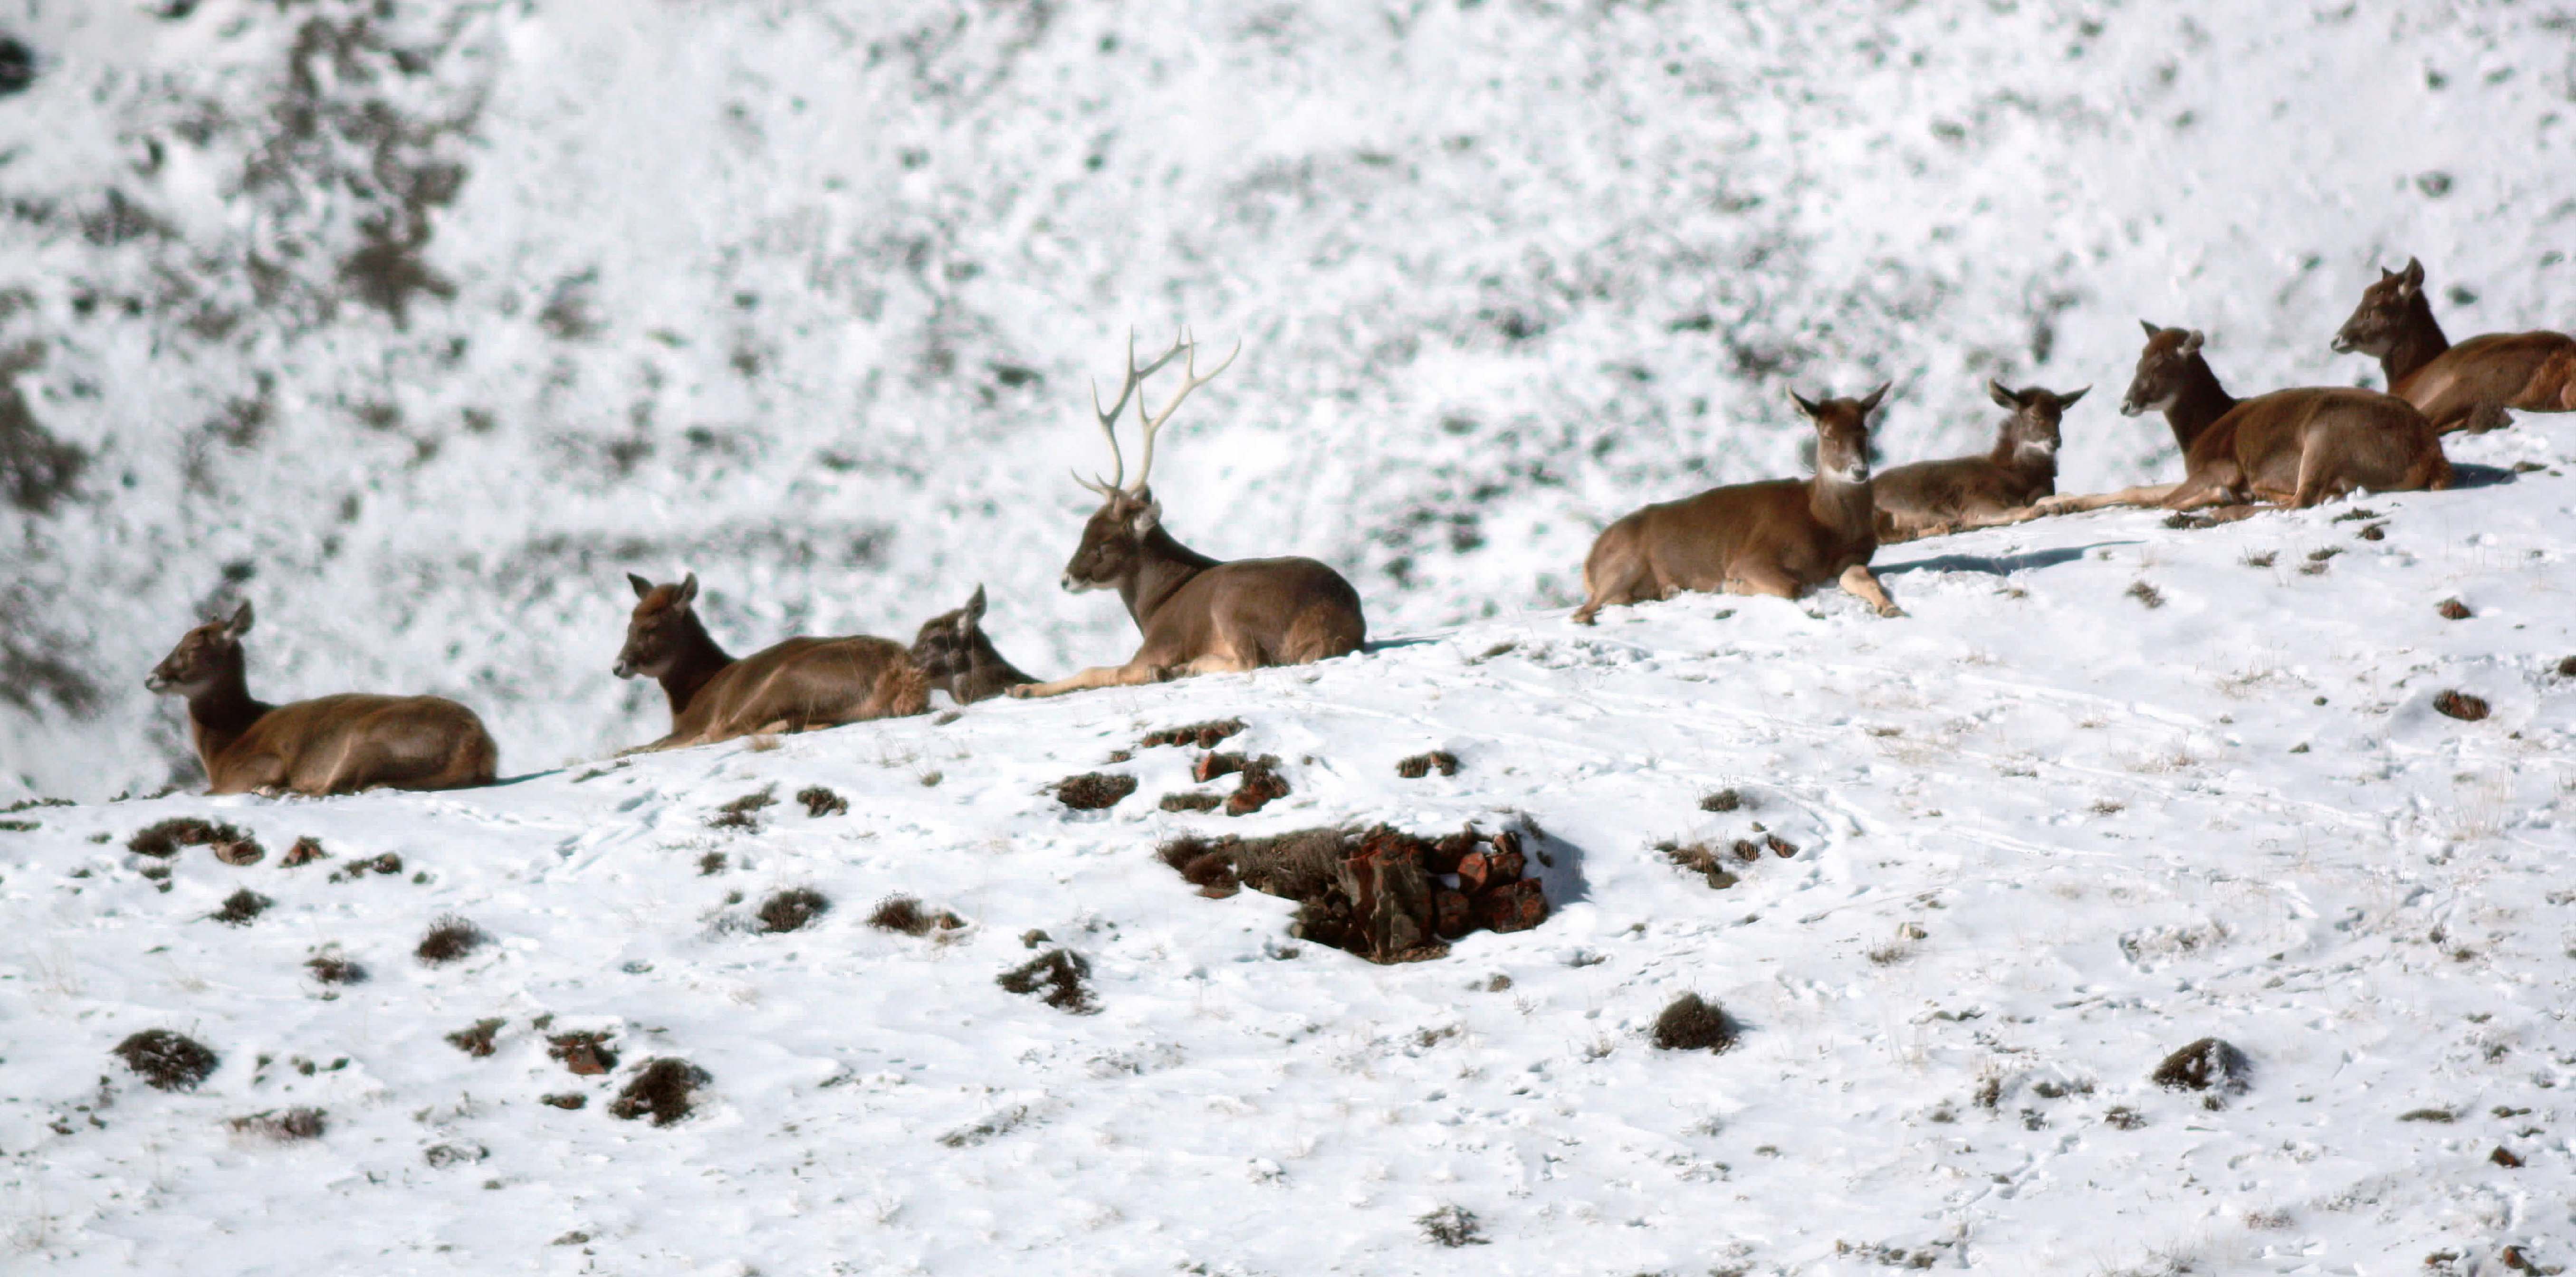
804, 295
2045, 833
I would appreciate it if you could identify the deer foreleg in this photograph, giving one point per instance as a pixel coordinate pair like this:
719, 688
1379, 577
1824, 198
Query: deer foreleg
1858, 581
2069, 503
1212, 663
1127, 675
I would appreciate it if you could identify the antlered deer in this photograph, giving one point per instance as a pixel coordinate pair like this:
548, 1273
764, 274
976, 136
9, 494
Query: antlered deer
2464, 387
1197, 615
1930, 498
800, 685
952, 652
2296, 447
1779, 537
328, 745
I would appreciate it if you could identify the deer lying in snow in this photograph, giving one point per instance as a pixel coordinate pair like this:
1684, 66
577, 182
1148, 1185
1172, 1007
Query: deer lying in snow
2464, 387
2295, 447
1933, 498
328, 745
800, 685
1780, 537
1197, 615
952, 652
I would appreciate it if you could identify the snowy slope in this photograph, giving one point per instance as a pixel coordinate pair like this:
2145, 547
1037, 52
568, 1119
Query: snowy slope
421, 323
2045, 834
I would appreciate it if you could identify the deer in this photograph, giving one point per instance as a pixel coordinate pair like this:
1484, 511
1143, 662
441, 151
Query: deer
1195, 614
1779, 537
799, 685
952, 653
2291, 447
1933, 498
2464, 387
325, 746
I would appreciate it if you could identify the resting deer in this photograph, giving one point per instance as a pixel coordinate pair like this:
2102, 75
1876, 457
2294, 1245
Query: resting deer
328, 745
952, 652
1197, 615
801, 685
2464, 387
1932, 498
2295, 447
1779, 537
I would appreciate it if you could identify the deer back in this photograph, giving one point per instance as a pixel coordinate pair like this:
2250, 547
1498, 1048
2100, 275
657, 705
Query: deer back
802, 684
2330, 439
346, 743
2532, 372
1285, 611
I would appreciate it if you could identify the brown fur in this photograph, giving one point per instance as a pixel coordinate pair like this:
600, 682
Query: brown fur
800, 685
1932, 498
1779, 537
2293, 447
329, 745
952, 653
2464, 387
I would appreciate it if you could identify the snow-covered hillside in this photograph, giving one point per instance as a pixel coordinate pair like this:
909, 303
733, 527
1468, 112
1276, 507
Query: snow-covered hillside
419, 323
2110, 788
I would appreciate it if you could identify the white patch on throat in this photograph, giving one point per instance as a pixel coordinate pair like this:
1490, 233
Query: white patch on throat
1853, 472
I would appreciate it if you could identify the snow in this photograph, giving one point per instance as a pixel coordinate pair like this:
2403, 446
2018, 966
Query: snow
804, 297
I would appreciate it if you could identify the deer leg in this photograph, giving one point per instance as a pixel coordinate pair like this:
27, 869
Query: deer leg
2485, 417
1858, 582
1212, 663
1764, 579
1127, 675
2070, 503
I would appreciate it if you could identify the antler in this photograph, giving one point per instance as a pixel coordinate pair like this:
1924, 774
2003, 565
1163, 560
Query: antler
1190, 380
1109, 419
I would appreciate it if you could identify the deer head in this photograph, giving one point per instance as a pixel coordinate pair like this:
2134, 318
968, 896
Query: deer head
2036, 412
1114, 539
2165, 370
204, 655
1842, 434
2385, 310
660, 628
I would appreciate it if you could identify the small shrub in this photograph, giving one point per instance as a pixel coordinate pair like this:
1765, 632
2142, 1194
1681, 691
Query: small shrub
1057, 976
449, 938
1723, 800
565, 1100
1261, 785
1697, 858
2208, 1064
904, 915
241, 853
2504, 1157
241, 907
1781, 847
585, 1053
664, 1090
744, 813
2263, 560
1452, 1226
305, 851
442, 1156
1691, 1023
2460, 705
711, 864
2567, 667
1188, 802
477, 1039
2146, 594
792, 909
1094, 791
820, 802
383, 866
1421, 765
2428, 1115
1204, 735
331, 968
285, 1128
2122, 1117
1202, 864
163, 840
2452, 610
2357, 514
167, 1061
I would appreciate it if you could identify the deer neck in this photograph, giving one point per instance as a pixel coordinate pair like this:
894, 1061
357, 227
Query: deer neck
2028, 461
1163, 566
698, 663
1838, 500
2202, 402
986, 673
221, 713
2419, 342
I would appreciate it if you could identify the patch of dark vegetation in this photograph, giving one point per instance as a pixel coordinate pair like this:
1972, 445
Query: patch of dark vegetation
2208, 1065
2460, 705
2147, 595
1421, 765
1058, 977
2263, 560
744, 813
2373, 532
1692, 1023
442, 1156
1724, 800
384, 865
2318, 559
712, 863
2122, 1117
585, 1053
1453, 1226
792, 909
17, 66
664, 1090
2452, 610
1380, 893
240, 908
304, 852
37, 470
1697, 858
905, 915
478, 1039
1204, 735
331, 968
1189, 802
1094, 791
2428, 1115
30, 826
820, 802
1259, 782
164, 839
2505, 1158
284, 1127
565, 1100
2357, 514
449, 938
1781, 847
240, 854
2184, 521
31, 804
167, 1061
2567, 667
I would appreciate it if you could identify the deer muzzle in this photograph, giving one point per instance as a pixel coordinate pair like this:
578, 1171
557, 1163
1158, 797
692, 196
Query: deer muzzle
624, 668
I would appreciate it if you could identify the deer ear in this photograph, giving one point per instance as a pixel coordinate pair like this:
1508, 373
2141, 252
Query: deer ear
2152, 330
1147, 517
975, 606
2191, 342
688, 591
2067, 401
2413, 275
1870, 404
240, 623
642, 586
2006, 398
1804, 404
